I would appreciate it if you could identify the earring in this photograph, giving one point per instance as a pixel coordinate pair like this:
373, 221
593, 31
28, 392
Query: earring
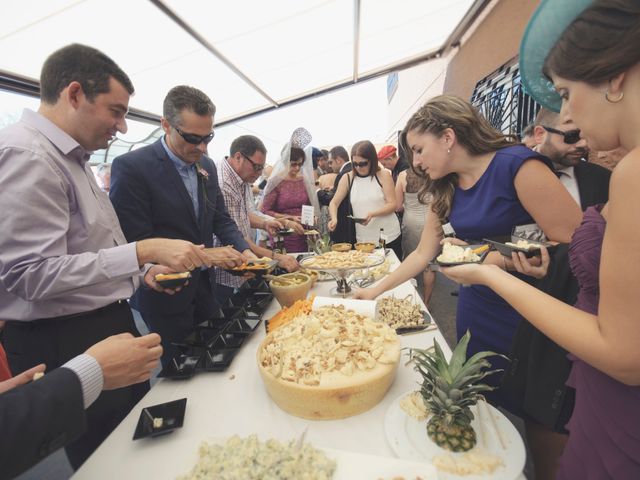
449, 151
606, 96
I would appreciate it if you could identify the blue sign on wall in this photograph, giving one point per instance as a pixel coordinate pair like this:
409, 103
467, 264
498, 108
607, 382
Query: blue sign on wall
392, 85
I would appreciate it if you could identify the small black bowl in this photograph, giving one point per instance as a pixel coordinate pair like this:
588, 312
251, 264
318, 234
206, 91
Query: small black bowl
171, 413
175, 282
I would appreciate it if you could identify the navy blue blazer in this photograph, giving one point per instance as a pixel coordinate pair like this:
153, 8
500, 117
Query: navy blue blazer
151, 201
38, 418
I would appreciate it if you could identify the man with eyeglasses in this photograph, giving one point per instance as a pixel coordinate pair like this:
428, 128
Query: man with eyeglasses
170, 189
236, 173
540, 368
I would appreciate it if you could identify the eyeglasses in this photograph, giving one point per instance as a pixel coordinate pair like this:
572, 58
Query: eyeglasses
195, 139
360, 164
256, 166
570, 137
296, 164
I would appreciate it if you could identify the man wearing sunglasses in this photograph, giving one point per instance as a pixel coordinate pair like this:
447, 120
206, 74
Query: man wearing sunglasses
236, 173
170, 189
561, 142
540, 367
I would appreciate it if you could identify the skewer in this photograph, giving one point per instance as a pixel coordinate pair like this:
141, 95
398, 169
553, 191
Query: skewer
494, 425
483, 433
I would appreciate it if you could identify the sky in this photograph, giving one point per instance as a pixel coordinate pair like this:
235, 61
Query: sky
339, 118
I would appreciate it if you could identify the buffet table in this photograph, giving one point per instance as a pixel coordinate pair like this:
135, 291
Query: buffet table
235, 401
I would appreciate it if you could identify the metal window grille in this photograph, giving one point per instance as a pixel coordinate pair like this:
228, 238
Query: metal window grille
501, 98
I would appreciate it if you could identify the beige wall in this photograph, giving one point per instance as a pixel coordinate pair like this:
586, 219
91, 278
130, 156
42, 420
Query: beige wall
494, 42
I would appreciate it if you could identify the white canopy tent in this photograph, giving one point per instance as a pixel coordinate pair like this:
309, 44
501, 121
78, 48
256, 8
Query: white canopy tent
249, 56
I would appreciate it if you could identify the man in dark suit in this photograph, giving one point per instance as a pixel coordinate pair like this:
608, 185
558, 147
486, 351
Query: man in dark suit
170, 189
39, 417
539, 367
345, 230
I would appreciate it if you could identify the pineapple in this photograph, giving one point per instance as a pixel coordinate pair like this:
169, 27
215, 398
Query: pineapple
449, 389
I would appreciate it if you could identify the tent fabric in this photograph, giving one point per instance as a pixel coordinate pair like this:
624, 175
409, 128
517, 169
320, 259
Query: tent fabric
247, 55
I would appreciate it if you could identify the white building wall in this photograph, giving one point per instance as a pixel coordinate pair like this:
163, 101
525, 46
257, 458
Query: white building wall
415, 86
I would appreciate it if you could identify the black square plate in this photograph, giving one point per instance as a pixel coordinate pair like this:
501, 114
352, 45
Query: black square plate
203, 335
175, 282
435, 264
256, 300
356, 219
171, 413
264, 268
181, 367
499, 243
256, 285
218, 360
230, 339
229, 313
243, 325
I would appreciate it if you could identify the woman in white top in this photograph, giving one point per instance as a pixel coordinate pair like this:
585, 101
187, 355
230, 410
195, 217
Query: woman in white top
371, 193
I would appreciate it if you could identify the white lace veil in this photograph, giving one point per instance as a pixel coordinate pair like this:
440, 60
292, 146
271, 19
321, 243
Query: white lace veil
300, 138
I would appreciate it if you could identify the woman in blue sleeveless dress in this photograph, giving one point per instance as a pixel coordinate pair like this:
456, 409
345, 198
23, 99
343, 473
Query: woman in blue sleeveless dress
590, 51
485, 184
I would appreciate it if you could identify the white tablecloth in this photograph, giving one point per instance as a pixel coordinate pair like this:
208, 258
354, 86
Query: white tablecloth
235, 402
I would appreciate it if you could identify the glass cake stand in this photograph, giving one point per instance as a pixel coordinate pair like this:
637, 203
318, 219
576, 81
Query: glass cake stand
341, 274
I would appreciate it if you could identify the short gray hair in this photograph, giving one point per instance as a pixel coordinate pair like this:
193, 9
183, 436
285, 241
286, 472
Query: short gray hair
182, 98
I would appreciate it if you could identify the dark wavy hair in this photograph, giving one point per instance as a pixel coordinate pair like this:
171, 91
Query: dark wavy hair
366, 150
473, 133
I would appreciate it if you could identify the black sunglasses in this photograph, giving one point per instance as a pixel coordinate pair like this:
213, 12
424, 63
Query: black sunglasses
195, 139
360, 164
570, 137
256, 166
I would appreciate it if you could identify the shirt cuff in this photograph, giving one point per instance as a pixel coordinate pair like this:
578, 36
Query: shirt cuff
121, 260
90, 375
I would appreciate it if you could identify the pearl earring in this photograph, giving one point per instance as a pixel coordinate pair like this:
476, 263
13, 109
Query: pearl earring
449, 151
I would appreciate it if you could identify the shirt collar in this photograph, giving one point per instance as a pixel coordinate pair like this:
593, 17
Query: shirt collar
233, 175
60, 139
568, 171
177, 161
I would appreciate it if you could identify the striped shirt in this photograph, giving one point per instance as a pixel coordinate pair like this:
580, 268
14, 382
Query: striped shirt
239, 201
90, 375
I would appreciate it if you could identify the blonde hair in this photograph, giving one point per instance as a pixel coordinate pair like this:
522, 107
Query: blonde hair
473, 133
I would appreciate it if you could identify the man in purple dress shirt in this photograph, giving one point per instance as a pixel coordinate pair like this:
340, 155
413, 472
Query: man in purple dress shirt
66, 269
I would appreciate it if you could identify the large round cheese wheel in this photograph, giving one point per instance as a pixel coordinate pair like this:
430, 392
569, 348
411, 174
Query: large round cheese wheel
337, 395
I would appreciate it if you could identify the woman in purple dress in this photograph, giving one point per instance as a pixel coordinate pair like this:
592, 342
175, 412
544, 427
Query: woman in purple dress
590, 52
290, 186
